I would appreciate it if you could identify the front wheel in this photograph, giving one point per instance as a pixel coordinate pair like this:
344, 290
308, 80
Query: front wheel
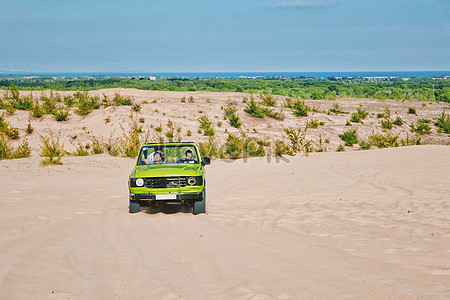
134, 207
200, 206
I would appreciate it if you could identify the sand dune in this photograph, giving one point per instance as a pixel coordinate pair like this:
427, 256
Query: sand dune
354, 225
157, 107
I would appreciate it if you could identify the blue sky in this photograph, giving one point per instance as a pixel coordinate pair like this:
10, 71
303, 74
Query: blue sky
224, 35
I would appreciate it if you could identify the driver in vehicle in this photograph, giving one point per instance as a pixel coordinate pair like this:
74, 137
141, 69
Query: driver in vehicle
188, 154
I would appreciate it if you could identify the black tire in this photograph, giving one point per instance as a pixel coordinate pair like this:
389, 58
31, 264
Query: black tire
134, 207
200, 206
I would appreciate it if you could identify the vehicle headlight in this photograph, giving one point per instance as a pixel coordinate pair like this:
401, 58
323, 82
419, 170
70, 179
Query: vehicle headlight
140, 182
191, 181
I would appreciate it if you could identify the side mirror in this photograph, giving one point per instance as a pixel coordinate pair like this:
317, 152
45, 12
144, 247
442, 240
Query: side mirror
206, 161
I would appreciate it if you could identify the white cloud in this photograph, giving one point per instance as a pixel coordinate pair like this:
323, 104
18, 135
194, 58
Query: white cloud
305, 4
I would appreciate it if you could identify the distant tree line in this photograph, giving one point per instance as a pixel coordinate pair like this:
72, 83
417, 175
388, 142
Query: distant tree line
429, 89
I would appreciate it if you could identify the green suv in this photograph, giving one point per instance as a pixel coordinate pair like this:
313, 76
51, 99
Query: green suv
168, 173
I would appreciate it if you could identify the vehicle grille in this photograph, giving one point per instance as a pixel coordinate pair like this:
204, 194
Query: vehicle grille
165, 182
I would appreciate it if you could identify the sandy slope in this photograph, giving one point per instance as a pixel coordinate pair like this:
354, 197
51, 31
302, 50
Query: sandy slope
157, 107
327, 226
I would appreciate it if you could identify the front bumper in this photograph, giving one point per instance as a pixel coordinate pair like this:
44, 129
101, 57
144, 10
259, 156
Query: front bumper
180, 197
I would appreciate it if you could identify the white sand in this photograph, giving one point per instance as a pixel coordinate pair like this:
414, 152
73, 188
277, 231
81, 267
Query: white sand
328, 226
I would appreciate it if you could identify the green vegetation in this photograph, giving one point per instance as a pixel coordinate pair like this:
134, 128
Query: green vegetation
258, 110
410, 141
383, 141
336, 110
411, 111
429, 89
98, 147
60, 115
340, 148
206, 125
421, 127
443, 123
313, 123
298, 141
210, 148
8, 152
387, 124
398, 121
231, 114
243, 146
253, 108
81, 150
52, 149
349, 137
364, 145
7, 129
299, 108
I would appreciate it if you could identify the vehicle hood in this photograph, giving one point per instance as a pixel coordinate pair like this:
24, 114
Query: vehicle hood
163, 170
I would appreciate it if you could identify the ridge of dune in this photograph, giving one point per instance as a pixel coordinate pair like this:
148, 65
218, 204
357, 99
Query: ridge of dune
358, 225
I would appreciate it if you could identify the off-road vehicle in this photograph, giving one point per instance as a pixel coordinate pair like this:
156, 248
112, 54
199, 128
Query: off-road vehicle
168, 173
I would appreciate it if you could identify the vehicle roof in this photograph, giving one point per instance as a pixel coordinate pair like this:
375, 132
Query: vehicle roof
170, 144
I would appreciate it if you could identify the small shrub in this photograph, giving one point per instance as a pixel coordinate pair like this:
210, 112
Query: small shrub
52, 149
10, 110
141, 120
253, 108
98, 147
348, 123
69, 101
280, 148
363, 114
136, 107
340, 148
349, 137
363, 145
297, 138
29, 129
379, 116
5, 149
299, 108
158, 129
81, 151
336, 110
85, 104
410, 141
210, 148
421, 127
22, 151
206, 125
443, 122
61, 115
234, 146
267, 100
313, 123
387, 124
411, 111
12, 133
383, 141
173, 131
183, 99
278, 115
355, 118
120, 100
188, 133
36, 110
398, 121
191, 99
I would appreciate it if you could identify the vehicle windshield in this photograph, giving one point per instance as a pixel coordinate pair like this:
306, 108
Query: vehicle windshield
168, 154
